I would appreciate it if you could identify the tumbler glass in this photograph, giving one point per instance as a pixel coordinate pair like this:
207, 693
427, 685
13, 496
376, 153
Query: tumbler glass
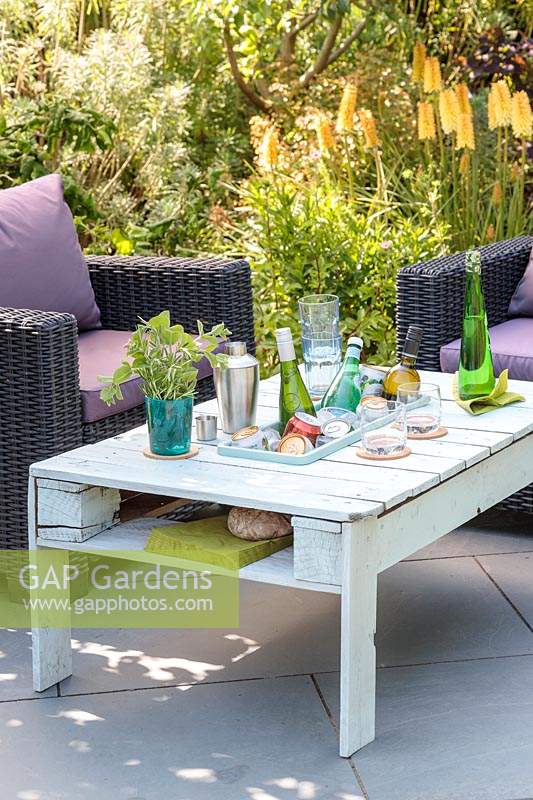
383, 427
321, 340
423, 407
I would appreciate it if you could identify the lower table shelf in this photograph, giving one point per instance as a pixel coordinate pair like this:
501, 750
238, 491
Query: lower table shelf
129, 539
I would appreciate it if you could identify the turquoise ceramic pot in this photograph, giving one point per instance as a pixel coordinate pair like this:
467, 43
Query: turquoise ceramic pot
169, 425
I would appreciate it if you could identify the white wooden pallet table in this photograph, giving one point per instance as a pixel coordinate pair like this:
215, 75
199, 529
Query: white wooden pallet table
352, 518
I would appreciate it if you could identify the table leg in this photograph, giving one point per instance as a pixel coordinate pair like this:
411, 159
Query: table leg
51, 647
358, 626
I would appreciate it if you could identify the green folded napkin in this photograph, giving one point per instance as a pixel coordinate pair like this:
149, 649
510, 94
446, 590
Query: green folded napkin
498, 398
209, 541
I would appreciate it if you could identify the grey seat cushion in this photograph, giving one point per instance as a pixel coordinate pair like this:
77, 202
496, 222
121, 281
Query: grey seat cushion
41, 263
521, 304
100, 353
512, 348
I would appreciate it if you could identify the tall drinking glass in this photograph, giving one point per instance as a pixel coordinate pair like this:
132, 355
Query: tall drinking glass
321, 340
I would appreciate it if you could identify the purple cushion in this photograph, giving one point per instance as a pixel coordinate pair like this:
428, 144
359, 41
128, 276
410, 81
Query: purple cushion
521, 304
100, 353
41, 263
512, 348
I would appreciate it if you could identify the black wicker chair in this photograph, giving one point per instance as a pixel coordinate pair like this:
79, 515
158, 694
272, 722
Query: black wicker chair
39, 379
431, 295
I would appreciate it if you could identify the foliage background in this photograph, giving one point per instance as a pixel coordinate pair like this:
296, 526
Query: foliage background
138, 104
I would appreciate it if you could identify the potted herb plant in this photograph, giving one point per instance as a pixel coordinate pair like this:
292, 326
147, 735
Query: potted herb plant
164, 356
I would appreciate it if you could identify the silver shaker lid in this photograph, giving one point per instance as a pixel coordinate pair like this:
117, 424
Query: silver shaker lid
236, 348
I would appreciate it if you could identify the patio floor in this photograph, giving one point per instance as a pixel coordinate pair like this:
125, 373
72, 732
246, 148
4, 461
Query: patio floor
251, 714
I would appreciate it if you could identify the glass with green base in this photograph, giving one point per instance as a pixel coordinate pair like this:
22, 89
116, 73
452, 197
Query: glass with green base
476, 371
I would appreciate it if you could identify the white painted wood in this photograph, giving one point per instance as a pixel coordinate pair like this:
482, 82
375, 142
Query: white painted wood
75, 514
417, 524
317, 556
358, 628
304, 523
51, 650
510, 419
360, 481
240, 486
92, 506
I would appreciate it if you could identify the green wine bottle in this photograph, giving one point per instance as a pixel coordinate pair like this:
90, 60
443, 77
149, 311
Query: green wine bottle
476, 371
345, 390
293, 395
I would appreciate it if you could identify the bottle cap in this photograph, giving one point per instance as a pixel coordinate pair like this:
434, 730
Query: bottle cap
355, 340
283, 335
412, 340
415, 332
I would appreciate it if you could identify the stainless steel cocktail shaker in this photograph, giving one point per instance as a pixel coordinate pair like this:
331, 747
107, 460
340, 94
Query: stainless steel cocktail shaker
237, 386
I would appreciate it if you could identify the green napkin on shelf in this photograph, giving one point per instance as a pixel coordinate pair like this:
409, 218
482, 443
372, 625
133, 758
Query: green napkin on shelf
498, 398
209, 541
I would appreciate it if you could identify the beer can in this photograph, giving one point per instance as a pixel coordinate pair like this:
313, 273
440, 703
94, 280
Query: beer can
304, 424
323, 440
251, 437
336, 428
272, 439
294, 444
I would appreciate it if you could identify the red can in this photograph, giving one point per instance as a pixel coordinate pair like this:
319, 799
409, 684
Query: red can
305, 425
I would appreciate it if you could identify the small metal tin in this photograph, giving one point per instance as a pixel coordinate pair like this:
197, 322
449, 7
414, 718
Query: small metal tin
251, 437
336, 428
206, 427
304, 424
324, 415
294, 444
323, 440
271, 439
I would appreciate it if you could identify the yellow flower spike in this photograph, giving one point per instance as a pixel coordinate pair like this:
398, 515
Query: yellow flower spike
326, 141
346, 111
419, 58
491, 233
461, 92
432, 76
426, 122
269, 149
464, 163
497, 193
521, 116
499, 105
368, 124
516, 172
448, 110
465, 133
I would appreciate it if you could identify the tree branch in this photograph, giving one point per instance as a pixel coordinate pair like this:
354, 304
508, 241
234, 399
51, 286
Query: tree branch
288, 42
343, 47
323, 57
238, 77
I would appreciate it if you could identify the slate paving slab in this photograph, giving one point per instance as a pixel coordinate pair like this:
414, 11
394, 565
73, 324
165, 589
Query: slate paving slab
514, 575
15, 667
434, 610
491, 532
449, 731
250, 740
